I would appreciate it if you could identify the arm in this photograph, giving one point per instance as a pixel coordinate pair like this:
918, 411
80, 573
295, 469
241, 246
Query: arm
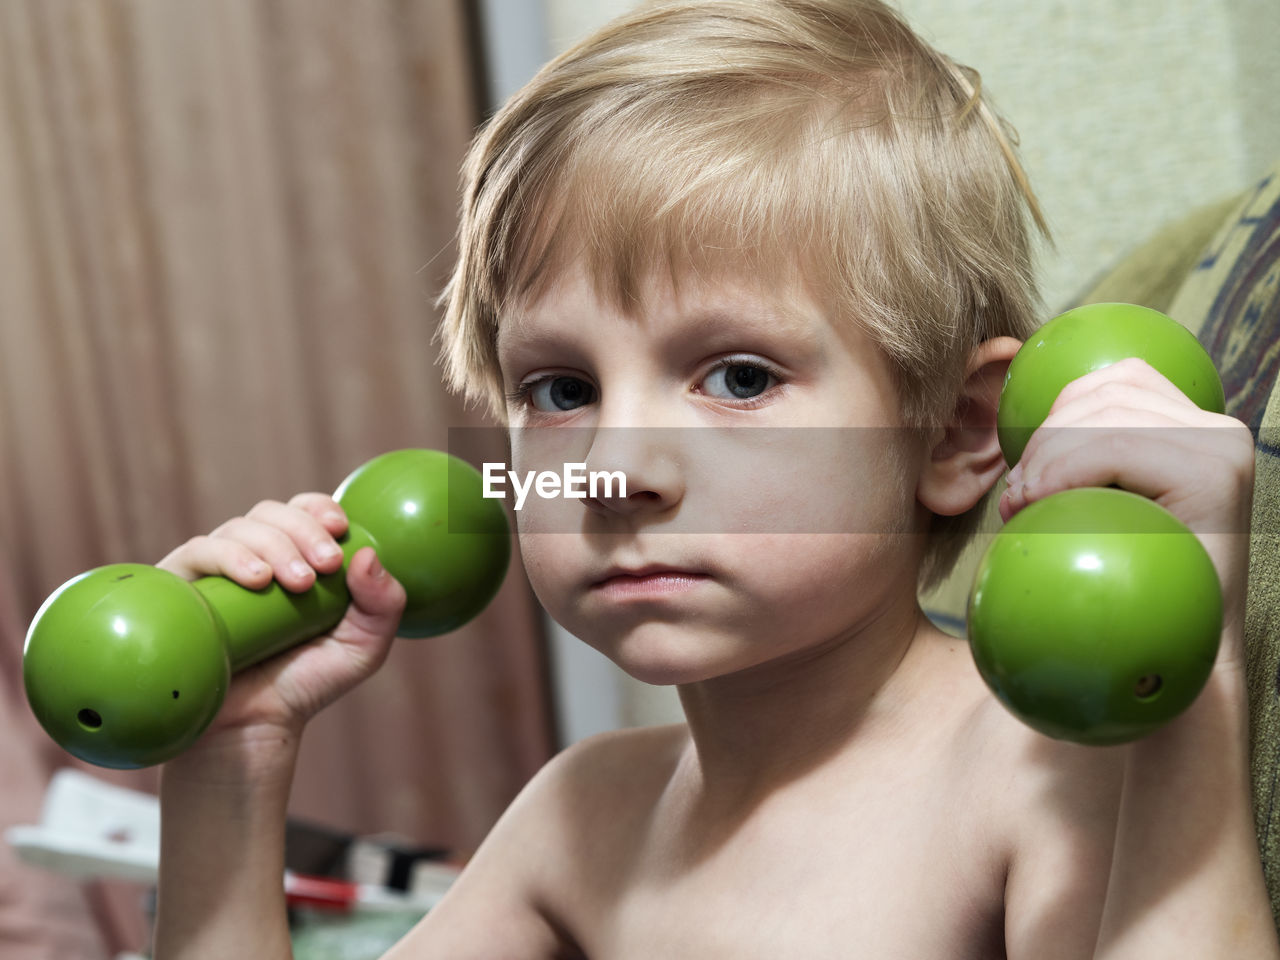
1063, 820
1140, 851
222, 860
222, 821
504, 902
223, 801
1185, 876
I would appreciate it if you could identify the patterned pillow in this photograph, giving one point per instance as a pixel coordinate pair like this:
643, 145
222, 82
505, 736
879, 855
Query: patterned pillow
1232, 299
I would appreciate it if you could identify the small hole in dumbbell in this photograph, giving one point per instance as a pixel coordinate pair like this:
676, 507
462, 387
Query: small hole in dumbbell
89, 719
1148, 686
175, 694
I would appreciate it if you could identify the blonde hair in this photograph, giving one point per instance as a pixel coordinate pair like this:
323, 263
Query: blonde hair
768, 136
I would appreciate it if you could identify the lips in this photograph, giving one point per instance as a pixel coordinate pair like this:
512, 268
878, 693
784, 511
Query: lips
644, 572
648, 580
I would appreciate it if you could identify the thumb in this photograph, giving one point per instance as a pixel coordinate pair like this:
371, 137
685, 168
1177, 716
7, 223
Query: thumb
377, 599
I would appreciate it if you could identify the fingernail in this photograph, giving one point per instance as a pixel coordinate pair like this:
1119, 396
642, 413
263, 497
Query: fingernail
333, 517
299, 569
257, 568
376, 569
326, 551
1015, 475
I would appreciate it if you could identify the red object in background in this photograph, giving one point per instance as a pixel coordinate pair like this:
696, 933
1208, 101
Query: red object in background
321, 893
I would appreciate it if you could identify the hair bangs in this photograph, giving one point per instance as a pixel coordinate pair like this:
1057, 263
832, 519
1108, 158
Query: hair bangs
641, 199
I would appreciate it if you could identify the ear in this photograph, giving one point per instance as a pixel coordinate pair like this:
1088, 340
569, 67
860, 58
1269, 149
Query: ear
966, 461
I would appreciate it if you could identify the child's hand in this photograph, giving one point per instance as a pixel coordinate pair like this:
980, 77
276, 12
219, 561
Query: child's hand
292, 542
1143, 434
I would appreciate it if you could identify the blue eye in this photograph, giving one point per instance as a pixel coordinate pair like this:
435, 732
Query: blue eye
552, 394
738, 380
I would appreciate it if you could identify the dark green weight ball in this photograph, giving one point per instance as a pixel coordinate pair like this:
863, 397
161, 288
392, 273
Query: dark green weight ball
1095, 616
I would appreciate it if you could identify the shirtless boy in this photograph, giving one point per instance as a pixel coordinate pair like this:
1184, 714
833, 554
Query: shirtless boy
774, 214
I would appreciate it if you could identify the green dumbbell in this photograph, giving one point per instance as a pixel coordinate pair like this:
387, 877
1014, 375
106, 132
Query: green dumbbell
126, 665
1095, 615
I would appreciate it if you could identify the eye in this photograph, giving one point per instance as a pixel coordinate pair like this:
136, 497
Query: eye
738, 379
558, 393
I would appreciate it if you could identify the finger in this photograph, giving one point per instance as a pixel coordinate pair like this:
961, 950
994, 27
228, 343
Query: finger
314, 543
206, 556
1119, 406
1133, 372
377, 604
1151, 462
1141, 407
325, 509
376, 595
275, 547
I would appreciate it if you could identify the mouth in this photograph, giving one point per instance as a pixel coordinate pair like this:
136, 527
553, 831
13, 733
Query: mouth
652, 580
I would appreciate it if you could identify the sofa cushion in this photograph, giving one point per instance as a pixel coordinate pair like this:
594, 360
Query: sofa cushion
1232, 300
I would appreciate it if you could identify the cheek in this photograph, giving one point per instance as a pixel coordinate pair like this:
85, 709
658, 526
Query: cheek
790, 572
548, 562
849, 480
812, 588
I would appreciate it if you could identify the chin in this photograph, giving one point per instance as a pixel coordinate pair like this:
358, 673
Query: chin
664, 654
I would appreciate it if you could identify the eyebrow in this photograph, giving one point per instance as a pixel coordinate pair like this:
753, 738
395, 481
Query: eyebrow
773, 320
717, 323
753, 326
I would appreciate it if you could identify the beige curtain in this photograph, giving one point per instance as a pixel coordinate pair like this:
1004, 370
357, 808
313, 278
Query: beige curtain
222, 225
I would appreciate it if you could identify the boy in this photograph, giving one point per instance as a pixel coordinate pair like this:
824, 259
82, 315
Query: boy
779, 214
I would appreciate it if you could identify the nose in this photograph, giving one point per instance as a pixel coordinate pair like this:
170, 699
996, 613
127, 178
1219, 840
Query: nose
648, 457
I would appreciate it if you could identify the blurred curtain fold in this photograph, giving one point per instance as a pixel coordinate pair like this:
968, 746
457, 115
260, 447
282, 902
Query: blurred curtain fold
222, 227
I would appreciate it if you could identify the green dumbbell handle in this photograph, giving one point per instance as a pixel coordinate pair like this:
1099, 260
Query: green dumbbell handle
258, 624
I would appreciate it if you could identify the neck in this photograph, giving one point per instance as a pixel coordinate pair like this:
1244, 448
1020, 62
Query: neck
755, 731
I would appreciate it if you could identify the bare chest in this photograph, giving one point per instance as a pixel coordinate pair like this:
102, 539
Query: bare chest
898, 871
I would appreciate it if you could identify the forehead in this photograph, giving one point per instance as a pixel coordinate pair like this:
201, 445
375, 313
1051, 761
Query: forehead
697, 301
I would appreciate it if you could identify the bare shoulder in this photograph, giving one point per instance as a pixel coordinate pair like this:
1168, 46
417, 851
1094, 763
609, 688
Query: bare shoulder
1033, 781
1034, 772
594, 780
1052, 808
535, 866
639, 758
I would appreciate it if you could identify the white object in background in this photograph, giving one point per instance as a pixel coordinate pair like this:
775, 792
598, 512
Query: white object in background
89, 828
92, 829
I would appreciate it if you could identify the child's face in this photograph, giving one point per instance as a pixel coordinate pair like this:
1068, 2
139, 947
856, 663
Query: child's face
734, 546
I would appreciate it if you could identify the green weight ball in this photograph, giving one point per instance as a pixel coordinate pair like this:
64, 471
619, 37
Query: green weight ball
1089, 338
435, 533
1095, 616
126, 665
